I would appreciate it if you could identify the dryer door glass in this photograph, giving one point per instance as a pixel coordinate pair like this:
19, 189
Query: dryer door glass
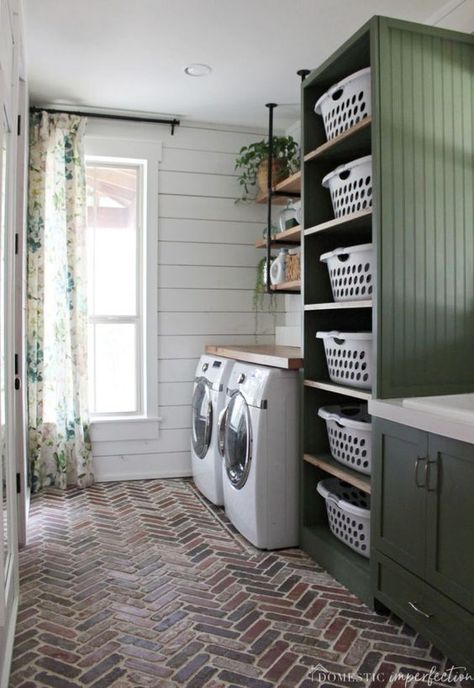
202, 418
238, 441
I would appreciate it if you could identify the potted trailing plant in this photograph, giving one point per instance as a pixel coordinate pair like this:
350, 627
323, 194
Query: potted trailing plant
260, 283
259, 294
252, 164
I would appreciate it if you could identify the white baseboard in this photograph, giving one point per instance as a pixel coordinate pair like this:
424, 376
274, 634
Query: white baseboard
142, 467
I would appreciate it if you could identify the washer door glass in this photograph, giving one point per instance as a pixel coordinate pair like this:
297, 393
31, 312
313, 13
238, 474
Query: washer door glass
202, 418
238, 441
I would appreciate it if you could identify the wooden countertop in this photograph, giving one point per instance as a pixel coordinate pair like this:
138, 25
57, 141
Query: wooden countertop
288, 357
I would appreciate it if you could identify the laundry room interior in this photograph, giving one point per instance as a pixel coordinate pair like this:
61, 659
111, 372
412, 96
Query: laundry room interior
236, 335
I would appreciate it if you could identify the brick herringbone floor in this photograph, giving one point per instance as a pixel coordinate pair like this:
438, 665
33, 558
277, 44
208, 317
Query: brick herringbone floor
144, 584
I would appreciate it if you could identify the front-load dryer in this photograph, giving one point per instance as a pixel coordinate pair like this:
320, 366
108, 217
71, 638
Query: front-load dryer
258, 435
209, 393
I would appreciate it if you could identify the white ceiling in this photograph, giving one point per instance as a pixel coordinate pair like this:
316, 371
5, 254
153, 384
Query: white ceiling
130, 54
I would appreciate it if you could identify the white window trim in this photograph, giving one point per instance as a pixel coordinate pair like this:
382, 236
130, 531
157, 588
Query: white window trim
105, 429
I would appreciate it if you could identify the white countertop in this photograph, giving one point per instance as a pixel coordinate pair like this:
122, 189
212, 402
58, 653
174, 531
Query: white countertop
448, 416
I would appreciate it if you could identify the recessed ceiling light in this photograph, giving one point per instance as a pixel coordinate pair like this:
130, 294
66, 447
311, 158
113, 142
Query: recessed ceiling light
197, 70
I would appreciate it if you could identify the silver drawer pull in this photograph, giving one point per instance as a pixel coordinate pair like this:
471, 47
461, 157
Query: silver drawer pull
419, 611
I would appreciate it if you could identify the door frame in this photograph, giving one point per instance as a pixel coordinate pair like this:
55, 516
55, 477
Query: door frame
21, 438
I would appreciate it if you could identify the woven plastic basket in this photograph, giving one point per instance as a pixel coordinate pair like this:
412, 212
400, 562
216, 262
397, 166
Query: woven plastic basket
345, 103
350, 186
350, 272
348, 357
348, 510
350, 435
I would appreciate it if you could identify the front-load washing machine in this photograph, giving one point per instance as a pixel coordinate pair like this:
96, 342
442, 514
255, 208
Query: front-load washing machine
209, 393
258, 436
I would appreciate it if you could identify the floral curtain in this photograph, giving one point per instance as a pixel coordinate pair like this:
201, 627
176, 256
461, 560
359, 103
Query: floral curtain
58, 424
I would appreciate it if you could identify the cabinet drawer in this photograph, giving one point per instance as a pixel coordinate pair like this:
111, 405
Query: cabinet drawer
445, 623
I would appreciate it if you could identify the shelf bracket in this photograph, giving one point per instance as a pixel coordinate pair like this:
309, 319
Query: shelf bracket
303, 73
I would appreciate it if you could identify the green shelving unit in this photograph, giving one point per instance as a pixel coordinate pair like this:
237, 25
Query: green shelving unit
421, 137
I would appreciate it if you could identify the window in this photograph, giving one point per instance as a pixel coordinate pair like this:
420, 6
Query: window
116, 202
122, 176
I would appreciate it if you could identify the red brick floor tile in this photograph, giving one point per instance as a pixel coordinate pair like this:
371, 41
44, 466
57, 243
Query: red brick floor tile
146, 585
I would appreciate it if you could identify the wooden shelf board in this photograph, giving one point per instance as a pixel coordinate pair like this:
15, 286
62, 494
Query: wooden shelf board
287, 357
289, 236
338, 305
293, 235
353, 221
340, 389
291, 185
295, 286
276, 200
327, 463
333, 146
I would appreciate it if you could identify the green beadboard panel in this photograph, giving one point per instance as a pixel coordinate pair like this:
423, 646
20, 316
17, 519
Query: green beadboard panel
425, 228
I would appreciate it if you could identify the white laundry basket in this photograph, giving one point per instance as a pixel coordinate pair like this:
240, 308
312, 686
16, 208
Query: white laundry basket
350, 186
349, 357
350, 272
345, 103
348, 510
350, 435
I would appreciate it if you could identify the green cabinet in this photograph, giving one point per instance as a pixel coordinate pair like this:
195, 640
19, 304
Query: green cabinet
398, 505
422, 522
420, 134
450, 519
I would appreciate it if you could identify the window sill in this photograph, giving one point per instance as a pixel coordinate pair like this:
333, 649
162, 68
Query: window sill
125, 429
123, 419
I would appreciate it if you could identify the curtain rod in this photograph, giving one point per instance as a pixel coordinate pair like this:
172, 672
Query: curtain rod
99, 115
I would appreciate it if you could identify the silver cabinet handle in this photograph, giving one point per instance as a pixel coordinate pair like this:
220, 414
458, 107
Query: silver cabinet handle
221, 433
419, 459
414, 606
428, 473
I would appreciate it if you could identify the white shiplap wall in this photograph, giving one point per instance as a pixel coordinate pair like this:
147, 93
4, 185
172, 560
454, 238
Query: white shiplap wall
206, 274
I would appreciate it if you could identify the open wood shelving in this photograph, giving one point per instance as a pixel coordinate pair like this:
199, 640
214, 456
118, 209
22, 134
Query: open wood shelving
295, 286
355, 139
338, 305
322, 232
348, 391
338, 470
291, 185
279, 193
356, 221
290, 236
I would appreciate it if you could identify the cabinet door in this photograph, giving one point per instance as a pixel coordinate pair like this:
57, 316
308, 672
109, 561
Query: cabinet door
398, 493
450, 519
